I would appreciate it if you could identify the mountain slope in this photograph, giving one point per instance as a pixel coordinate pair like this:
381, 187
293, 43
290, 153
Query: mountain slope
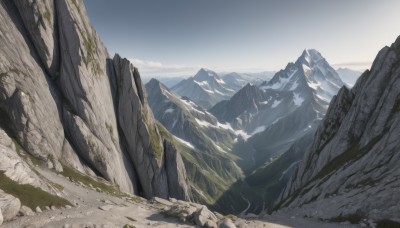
68, 103
206, 88
237, 81
352, 169
212, 169
277, 121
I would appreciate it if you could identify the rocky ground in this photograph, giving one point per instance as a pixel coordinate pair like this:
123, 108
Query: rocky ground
98, 209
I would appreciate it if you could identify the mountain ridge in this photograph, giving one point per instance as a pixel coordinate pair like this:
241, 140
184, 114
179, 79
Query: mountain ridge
351, 149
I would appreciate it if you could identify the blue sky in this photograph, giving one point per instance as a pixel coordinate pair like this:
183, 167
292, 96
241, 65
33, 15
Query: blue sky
177, 37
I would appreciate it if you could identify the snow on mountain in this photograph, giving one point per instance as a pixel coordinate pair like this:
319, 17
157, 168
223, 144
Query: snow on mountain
207, 141
278, 114
239, 80
206, 88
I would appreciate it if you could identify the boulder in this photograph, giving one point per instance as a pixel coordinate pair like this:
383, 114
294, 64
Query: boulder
38, 210
1, 218
9, 206
226, 223
162, 201
106, 207
204, 217
26, 211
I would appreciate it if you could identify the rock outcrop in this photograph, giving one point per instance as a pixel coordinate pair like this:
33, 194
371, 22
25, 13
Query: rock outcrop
15, 168
66, 101
9, 206
352, 169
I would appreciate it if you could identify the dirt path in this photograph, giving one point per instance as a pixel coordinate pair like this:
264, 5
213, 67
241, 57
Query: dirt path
117, 212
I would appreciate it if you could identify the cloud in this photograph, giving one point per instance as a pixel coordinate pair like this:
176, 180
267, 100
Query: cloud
354, 65
157, 69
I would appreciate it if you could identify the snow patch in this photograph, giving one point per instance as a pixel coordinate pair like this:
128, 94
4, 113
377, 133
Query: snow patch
276, 103
258, 130
220, 81
170, 110
297, 99
243, 134
186, 143
202, 83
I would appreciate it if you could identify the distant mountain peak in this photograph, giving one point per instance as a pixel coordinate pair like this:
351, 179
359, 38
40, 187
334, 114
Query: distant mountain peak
310, 57
204, 74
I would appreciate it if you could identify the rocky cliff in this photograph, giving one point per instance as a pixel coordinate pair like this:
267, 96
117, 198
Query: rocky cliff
351, 171
68, 103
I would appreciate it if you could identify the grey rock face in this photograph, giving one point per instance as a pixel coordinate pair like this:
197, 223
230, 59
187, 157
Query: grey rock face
15, 168
88, 112
25, 90
137, 124
40, 22
9, 206
57, 77
176, 172
352, 168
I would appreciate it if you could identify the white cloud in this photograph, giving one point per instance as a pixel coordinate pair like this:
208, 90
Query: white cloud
158, 69
353, 65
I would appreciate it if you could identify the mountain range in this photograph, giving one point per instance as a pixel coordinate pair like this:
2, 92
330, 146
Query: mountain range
83, 143
206, 141
206, 88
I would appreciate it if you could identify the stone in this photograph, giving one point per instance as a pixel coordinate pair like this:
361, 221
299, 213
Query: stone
204, 216
14, 167
226, 223
53, 208
106, 207
9, 206
163, 201
1, 218
26, 211
38, 210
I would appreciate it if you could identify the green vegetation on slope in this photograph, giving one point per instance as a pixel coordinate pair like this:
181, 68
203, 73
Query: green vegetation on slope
29, 195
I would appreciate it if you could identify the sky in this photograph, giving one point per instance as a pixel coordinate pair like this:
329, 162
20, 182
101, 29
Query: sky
166, 38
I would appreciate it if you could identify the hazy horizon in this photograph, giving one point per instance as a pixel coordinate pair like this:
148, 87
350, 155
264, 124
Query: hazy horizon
177, 38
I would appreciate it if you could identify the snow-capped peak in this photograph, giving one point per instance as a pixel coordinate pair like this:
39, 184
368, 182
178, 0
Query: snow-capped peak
310, 57
205, 74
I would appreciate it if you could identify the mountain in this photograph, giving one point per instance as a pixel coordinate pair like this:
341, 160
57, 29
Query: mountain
208, 143
238, 81
265, 75
277, 119
167, 81
309, 84
67, 105
206, 88
351, 171
349, 76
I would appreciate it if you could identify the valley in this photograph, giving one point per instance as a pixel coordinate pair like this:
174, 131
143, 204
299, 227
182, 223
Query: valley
87, 141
